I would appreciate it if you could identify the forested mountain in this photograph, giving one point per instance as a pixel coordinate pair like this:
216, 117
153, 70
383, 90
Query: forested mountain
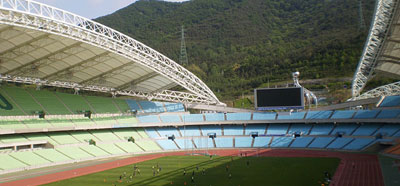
237, 45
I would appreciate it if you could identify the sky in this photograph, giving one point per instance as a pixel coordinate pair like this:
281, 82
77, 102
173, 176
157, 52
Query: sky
91, 8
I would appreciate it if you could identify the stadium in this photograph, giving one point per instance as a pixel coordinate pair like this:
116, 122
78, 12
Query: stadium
51, 130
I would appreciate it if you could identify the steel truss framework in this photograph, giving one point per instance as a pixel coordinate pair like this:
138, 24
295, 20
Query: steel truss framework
40, 17
386, 90
380, 26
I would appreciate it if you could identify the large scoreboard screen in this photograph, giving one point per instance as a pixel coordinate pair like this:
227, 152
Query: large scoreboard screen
279, 98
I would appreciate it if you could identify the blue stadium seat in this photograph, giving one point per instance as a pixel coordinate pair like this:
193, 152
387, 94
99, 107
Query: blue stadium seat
255, 128
318, 114
174, 107
167, 144
389, 114
233, 130
300, 128
203, 143
345, 129
193, 118
388, 129
281, 142
293, 115
148, 119
343, 114
215, 117
321, 142
366, 130
238, 116
277, 128
390, 101
168, 131
170, 118
190, 131
243, 142
339, 143
261, 141
133, 105
321, 129
184, 143
263, 116
358, 144
301, 142
152, 132
366, 114
224, 142
151, 107
211, 129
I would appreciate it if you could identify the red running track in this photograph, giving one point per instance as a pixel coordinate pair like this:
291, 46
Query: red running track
353, 170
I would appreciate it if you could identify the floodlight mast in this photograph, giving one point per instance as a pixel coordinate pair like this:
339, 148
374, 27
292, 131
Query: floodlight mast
309, 95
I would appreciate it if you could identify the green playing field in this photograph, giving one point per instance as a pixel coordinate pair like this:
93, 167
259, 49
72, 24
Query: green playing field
218, 171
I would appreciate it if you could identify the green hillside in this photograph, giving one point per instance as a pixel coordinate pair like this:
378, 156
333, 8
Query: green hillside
237, 45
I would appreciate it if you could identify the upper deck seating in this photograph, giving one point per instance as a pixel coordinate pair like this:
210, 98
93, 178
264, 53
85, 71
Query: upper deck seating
23, 99
238, 116
174, 107
62, 137
133, 105
151, 107
343, 114
105, 135
277, 128
292, 115
318, 114
102, 104
233, 130
8, 108
75, 103
390, 101
264, 116
49, 101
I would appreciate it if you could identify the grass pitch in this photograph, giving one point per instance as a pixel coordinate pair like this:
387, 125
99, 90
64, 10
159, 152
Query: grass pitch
260, 171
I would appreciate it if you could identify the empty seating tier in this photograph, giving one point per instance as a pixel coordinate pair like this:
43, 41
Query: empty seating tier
49, 101
23, 99
151, 107
233, 130
321, 142
366, 130
344, 129
366, 114
224, 142
174, 107
243, 142
74, 153
170, 119
390, 101
264, 116
238, 116
105, 135
148, 145
29, 158
185, 143
318, 114
282, 142
261, 141
277, 129
190, 131
8, 162
9, 108
148, 119
301, 142
300, 128
211, 129
338, 143
75, 103
110, 148
94, 150
321, 129
129, 147
343, 114
102, 104
62, 138
167, 144
260, 129
52, 155
358, 144
293, 115
193, 118
168, 131
215, 117
389, 114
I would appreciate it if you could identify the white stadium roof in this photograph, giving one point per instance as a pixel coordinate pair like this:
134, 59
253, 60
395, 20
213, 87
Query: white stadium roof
381, 52
43, 45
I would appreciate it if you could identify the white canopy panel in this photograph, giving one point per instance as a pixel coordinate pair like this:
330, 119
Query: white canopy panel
45, 45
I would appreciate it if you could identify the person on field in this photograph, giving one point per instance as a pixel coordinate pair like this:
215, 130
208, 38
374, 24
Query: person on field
184, 172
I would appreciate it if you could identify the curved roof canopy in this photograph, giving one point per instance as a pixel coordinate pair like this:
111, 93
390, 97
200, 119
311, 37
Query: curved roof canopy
381, 51
40, 44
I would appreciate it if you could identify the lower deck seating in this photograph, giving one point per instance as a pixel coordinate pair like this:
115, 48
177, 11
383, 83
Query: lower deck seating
243, 142
339, 143
148, 145
277, 128
129, 147
358, 144
211, 129
345, 129
204, 142
29, 158
300, 128
52, 155
168, 131
281, 141
185, 143
388, 130
110, 148
94, 150
167, 144
190, 131
321, 142
261, 141
8, 162
233, 130
366, 130
74, 153
224, 142
301, 142
260, 129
